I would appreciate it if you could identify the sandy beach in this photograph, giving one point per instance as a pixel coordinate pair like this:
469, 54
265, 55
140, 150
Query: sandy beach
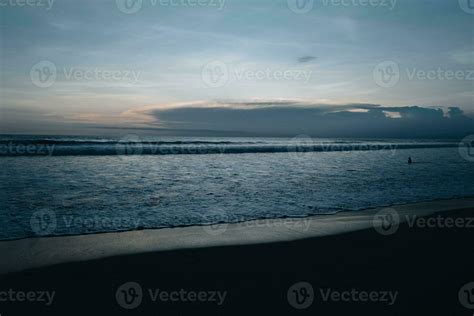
415, 266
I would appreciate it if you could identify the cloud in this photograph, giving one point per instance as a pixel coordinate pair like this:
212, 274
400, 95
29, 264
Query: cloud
291, 118
277, 118
463, 58
306, 59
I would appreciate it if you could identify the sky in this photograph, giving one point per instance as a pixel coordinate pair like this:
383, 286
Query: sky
269, 67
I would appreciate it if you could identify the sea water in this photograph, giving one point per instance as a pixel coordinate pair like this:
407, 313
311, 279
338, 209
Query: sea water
78, 185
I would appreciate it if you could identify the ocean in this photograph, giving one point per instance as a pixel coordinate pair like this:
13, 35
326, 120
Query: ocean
57, 185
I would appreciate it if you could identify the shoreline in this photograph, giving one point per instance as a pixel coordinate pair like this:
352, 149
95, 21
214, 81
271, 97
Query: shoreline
28, 253
242, 222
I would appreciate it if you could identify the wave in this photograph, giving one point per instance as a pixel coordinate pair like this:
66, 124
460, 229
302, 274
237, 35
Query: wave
109, 142
88, 148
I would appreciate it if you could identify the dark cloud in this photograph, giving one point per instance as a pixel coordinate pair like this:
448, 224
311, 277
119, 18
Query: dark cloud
292, 118
306, 59
262, 118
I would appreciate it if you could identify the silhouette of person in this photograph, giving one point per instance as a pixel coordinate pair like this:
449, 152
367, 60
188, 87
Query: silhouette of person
409, 160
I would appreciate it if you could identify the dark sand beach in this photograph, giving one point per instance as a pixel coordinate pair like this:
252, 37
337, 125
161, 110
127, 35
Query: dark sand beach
424, 266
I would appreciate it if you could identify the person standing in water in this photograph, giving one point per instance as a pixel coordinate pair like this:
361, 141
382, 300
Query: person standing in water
410, 161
